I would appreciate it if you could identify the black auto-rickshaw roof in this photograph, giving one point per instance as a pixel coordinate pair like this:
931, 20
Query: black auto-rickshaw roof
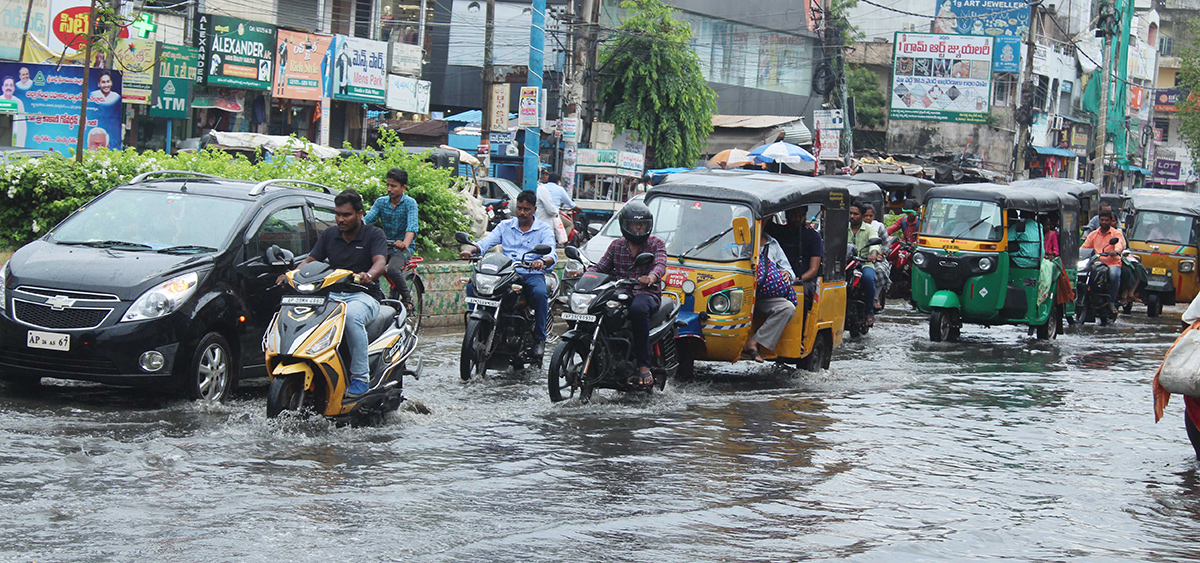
860, 190
893, 181
1170, 201
765, 193
1024, 198
1077, 188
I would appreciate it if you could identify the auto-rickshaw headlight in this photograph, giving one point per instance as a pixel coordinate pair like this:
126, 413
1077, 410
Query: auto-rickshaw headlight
986, 264
919, 259
726, 303
1187, 266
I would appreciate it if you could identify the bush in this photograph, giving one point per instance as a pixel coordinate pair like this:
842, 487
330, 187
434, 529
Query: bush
39, 193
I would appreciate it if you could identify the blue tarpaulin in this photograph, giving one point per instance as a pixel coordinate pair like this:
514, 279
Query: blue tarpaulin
1053, 151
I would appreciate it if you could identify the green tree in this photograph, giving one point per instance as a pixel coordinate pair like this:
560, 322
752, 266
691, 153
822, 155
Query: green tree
652, 84
869, 101
1188, 80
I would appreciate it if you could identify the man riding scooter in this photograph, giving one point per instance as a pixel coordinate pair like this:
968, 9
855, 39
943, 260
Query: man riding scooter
1110, 254
359, 248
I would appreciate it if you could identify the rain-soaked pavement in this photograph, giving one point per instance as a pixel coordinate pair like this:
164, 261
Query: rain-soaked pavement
998, 447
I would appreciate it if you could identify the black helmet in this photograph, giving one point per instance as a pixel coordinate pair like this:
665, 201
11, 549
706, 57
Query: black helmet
636, 222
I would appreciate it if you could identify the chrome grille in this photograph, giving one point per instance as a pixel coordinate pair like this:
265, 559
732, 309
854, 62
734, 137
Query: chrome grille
69, 318
78, 295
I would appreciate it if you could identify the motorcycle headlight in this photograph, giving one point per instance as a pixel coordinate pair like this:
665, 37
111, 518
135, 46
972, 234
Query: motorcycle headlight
920, 259
573, 268
163, 299
3, 281
485, 284
987, 263
324, 343
270, 341
306, 288
581, 302
1184, 267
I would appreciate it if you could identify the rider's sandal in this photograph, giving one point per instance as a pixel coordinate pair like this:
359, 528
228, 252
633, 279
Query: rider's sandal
645, 379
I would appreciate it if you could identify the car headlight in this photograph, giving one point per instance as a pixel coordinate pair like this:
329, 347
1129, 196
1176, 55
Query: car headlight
3, 281
920, 259
726, 302
987, 263
486, 284
163, 299
325, 342
271, 337
581, 302
1184, 267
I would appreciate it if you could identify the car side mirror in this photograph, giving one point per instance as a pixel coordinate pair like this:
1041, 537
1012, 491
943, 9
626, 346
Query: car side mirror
462, 238
572, 253
643, 259
542, 249
741, 231
276, 256
1114, 240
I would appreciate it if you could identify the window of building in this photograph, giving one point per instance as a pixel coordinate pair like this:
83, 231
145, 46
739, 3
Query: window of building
1162, 129
1041, 92
1166, 46
1004, 90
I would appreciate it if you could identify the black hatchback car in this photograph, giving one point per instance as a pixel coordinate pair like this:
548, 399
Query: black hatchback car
162, 281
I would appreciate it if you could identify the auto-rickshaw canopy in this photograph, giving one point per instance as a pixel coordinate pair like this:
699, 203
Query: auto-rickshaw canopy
860, 191
763, 192
1168, 201
1023, 198
1078, 188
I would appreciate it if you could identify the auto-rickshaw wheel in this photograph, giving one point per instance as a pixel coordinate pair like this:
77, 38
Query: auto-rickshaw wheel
821, 354
943, 325
1153, 305
1049, 331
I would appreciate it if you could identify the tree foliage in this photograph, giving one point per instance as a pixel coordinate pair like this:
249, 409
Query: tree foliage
1188, 80
869, 101
651, 83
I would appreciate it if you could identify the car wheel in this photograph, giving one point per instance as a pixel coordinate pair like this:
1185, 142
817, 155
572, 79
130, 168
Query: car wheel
212, 371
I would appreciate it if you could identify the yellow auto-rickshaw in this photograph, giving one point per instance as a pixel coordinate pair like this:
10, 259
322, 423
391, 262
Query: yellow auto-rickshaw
712, 222
1163, 232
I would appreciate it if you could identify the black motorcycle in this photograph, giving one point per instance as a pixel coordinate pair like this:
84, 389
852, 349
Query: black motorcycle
1093, 300
859, 305
597, 351
500, 321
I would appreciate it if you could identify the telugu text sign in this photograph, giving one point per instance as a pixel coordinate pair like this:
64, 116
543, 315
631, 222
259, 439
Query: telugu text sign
136, 59
408, 94
235, 52
301, 60
941, 77
360, 70
50, 99
176, 73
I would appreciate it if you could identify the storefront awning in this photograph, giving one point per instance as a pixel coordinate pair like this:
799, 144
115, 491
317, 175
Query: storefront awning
1138, 169
1053, 151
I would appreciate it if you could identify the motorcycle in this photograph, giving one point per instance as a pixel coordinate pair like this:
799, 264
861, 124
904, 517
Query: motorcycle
307, 359
900, 258
597, 351
497, 212
500, 321
1093, 299
859, 305
416, 287
581, 231
573, 268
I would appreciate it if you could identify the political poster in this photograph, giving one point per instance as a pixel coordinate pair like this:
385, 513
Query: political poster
302, 64
45, 101
941, 77
359, 70
408, 94
176, 73
234, 52
136, 59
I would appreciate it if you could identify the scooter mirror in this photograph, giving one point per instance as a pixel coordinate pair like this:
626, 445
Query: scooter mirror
741, 231
276, 256
643, 259
1114, 240
462, 238
572, 253
542, 249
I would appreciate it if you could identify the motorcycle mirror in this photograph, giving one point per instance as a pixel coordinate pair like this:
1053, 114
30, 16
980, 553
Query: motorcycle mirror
741, 231
276, 256
874, 241
643, 259
1114, 240
542, 249
572, 253
462, 238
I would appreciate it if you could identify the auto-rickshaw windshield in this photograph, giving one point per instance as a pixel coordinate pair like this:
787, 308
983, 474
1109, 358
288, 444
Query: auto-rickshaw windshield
1155, 226
687, 226
962, 219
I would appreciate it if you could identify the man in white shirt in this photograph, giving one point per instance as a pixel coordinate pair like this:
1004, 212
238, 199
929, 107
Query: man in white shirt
552, 199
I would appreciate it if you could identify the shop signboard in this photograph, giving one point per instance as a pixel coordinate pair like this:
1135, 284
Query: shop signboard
406, 59
234, 52
176, 73
136, 59
829, 119
1007, 56
1164, 168
12, 24
1168, 99
408, 94
49, 101
359, 70
528, 115
609, 161
992, 18
570, 129
302, 65
499, 107
941, 77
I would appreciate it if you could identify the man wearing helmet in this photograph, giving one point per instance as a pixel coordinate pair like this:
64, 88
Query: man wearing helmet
636, 222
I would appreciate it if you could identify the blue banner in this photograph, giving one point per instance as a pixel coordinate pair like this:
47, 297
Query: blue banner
982, 17
46, 103
1007, 57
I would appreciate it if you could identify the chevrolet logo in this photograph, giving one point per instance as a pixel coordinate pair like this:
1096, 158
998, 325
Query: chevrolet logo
60, 302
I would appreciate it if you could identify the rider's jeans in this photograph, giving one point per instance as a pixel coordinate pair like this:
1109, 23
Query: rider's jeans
868, 280
395, 273
534, 288
1114, 282
361, 309
643, 306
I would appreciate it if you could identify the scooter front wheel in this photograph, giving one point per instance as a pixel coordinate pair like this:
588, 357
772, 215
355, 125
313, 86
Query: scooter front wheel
285, 394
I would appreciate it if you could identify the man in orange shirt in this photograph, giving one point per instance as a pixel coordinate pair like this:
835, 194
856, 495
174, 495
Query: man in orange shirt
1099, 241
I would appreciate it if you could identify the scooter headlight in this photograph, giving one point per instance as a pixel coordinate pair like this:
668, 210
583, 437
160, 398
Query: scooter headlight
919, 259
324, 343
1184, 267
1081, 265
485, 284
581, 302
162, 299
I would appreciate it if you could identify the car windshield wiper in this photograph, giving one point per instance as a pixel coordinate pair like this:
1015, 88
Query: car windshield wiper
968, 229
710, 240
108, 244
185, 248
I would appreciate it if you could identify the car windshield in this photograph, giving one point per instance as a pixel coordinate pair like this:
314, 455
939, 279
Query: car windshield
687, 224
151, 220
962, 219
1154, 226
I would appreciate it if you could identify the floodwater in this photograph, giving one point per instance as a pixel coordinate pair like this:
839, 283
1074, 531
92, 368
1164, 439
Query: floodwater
998, 447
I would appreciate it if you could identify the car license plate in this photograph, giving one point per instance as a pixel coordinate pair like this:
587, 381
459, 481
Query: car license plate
48, 340
482, 302
578, 317
1158, 271
303, 300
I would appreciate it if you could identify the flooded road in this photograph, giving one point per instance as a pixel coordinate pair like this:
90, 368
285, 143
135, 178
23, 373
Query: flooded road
998, 447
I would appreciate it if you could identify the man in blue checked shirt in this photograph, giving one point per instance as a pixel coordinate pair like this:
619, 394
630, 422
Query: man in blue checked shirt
397, 214
517, 237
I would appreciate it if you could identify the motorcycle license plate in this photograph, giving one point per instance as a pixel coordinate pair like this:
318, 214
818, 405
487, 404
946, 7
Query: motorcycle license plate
482, 302
302, 300
48, 341
1158, 271
578, 317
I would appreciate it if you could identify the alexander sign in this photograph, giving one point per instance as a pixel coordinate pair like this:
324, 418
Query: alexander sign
235, 52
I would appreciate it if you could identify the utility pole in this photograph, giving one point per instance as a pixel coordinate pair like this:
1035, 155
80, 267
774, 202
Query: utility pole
1027, 87
485, 120
87, 65
1102, 112
533, 135
581, 44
